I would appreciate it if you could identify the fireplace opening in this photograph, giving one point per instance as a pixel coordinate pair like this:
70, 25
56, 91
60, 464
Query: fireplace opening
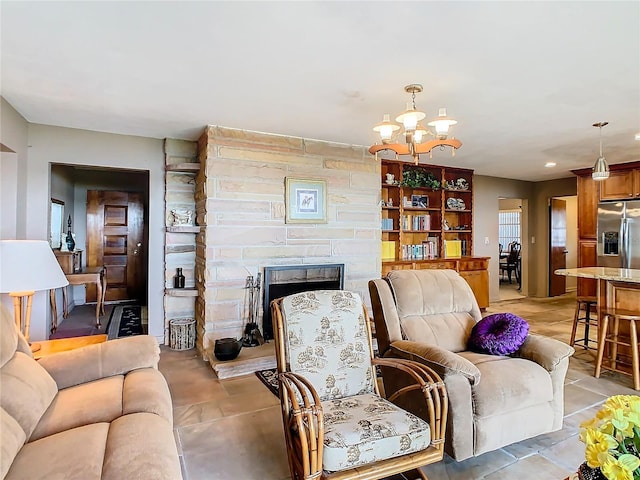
280, 281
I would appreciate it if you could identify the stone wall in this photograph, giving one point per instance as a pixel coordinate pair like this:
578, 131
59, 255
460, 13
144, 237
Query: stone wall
241, 210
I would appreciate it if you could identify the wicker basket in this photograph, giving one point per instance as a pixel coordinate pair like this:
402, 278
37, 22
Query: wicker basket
182, 333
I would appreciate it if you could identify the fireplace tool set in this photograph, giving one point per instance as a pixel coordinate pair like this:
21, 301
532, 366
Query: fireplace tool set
252, 336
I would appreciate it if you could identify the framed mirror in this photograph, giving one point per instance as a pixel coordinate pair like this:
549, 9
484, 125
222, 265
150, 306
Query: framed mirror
56, 223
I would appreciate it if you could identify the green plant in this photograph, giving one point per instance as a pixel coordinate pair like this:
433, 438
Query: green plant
418, 177
612, 438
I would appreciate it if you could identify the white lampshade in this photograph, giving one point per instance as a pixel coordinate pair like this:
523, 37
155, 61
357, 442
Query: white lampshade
29, 265
442, 124
386, 128
410, 118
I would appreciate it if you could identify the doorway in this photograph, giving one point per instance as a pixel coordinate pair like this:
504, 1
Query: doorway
563, 243
510, 234
71, 184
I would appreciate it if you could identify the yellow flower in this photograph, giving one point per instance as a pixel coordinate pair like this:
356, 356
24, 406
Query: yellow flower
621, 468
621, 421
606, 438
597, 455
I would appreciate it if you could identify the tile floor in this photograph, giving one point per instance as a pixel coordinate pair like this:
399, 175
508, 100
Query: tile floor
231, 429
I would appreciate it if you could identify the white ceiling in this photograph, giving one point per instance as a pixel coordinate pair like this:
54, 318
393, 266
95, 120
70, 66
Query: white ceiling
525, 80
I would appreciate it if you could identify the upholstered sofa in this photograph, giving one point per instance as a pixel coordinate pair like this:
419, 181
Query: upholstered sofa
494, 400
100, 412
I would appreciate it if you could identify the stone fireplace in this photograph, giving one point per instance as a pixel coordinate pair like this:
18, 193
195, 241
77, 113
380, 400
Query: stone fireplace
240, 205
280, 281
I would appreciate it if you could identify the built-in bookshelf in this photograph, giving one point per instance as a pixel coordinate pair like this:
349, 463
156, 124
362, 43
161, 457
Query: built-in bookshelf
427, 221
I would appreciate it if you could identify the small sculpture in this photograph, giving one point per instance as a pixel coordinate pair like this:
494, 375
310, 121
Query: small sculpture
182, 218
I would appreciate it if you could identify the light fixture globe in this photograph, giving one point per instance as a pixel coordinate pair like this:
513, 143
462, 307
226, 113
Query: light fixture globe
600, 169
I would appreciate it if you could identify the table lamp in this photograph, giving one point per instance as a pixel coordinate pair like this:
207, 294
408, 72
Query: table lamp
27, 266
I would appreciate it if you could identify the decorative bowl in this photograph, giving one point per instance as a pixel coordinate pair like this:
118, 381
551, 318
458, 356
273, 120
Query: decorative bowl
227, 348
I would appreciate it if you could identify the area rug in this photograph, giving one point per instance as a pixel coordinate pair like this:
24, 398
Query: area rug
270, 378
125, 321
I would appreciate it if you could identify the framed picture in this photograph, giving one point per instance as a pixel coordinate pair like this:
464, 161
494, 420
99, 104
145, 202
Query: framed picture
305, 200
419, 201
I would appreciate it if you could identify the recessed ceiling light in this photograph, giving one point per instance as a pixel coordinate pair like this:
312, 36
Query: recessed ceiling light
550, 164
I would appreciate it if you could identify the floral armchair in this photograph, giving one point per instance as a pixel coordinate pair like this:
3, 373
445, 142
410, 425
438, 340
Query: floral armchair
336, 423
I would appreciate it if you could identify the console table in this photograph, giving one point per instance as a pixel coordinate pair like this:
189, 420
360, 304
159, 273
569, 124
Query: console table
89, 276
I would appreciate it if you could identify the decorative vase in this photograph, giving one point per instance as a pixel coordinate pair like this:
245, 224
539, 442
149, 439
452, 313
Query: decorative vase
70, 241
178, 279
585, 472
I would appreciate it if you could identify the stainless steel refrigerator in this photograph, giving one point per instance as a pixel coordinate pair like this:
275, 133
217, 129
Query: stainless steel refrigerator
619, 234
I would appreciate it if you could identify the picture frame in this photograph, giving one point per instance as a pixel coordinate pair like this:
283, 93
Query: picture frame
419, 201
305, 200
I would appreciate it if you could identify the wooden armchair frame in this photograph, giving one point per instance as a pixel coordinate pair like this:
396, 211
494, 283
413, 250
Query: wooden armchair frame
303, 423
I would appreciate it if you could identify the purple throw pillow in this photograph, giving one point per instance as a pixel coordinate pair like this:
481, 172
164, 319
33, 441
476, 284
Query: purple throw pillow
498, 334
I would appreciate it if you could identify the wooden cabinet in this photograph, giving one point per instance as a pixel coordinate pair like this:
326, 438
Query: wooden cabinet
587, 257
479, 283
475, 270
621, 185
426, 208
587, 207
70, 262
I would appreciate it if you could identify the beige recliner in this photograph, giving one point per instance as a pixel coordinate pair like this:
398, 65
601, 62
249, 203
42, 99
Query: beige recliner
427, 316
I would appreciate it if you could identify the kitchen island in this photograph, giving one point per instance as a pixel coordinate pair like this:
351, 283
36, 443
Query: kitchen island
618, 292
617, 287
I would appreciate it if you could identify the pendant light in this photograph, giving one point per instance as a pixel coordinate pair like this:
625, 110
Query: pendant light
600, 169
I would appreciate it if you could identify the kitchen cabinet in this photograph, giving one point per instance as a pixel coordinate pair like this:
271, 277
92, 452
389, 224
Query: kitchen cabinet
621, 185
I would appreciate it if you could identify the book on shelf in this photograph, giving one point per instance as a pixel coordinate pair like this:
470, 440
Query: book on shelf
434, 241
388, 250
416, 222
452, 249
387, 224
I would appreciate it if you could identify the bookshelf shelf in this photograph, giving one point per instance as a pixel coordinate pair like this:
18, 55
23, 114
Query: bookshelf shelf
422, 223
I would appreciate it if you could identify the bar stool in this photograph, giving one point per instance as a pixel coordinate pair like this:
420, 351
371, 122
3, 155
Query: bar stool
589, 305
615, 338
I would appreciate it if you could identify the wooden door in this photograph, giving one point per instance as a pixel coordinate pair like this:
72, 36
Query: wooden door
557, 246
115, 226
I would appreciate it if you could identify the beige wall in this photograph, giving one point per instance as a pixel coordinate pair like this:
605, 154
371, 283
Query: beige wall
539, 227
487, 195
13, 173
535, 226
82, 147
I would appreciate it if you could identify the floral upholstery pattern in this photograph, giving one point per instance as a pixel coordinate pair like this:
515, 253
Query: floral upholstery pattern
327, 342
365, 428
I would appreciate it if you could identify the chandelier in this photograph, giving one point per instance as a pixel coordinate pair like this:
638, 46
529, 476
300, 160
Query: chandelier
600, 169
408, 125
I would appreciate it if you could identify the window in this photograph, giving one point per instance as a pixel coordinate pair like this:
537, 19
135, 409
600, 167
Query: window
508, 227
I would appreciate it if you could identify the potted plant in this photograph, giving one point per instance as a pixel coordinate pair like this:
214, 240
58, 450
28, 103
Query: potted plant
418, 177
612, 440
